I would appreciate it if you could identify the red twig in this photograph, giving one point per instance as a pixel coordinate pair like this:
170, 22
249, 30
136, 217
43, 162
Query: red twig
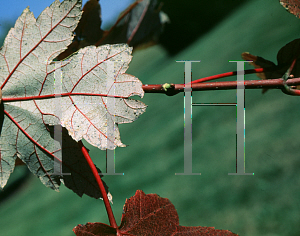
288, 90
251, 71
249, 84
199, 85
109, 211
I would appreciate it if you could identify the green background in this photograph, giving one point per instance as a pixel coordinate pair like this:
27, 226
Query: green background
264, 204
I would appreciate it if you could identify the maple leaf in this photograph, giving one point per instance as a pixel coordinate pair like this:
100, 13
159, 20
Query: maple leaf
95, 92
147, 214
87, 94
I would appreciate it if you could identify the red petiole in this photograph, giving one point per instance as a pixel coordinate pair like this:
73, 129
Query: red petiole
109, 211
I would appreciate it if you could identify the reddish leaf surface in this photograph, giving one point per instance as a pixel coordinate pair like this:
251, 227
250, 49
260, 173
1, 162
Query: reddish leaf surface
148, 214
94, 229
292, 6
204, 231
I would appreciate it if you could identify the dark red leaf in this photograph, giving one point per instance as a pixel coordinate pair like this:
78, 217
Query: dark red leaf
196, 231
94, 229
147, 215
292, 6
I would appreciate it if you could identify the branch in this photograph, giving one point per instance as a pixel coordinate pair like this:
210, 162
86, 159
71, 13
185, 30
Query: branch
199, 85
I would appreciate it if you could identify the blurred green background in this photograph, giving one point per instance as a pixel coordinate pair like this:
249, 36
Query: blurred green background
265, 204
